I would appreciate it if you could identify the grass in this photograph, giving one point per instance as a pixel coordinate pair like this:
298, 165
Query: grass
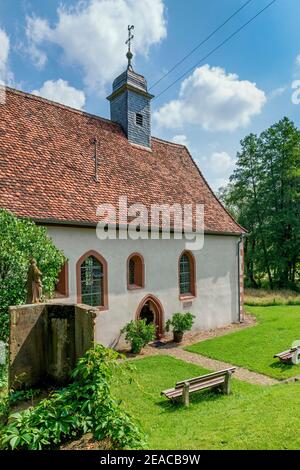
265, 297
255, 347
252, 417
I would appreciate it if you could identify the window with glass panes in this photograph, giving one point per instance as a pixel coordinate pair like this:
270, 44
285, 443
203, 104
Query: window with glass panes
92, 282
132, 271
185, 275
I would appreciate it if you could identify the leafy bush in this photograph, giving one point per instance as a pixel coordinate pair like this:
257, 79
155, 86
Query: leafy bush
3, 377
86, 405
138, 333
4, 399
20, 240
23, 395
180, 322
4, 409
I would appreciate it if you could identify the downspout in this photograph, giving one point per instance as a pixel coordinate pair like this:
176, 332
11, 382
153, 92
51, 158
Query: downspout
242, 236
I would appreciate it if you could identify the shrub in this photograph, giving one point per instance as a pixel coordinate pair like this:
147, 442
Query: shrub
138, 333
23, 395
4, 409
20, 240
4, 399
86, 405
180, 322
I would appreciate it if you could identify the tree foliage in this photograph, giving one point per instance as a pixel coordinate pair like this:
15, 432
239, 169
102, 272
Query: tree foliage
21, 240
85, 405
264, 196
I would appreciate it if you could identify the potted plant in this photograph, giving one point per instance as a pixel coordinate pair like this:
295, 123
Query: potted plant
138, 333
180, 322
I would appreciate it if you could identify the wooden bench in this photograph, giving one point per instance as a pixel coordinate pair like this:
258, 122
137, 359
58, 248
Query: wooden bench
219, 380
291, 356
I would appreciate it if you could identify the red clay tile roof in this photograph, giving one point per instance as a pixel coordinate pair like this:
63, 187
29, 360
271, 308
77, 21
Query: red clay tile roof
47, 166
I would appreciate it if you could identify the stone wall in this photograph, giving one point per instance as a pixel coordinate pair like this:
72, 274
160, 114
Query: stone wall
84, 329
45, 342
27, 352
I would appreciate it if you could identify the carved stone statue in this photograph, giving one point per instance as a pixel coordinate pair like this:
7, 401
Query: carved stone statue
34, 283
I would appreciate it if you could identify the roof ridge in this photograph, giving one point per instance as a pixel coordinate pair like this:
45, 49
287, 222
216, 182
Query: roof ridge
59, 105
78, 111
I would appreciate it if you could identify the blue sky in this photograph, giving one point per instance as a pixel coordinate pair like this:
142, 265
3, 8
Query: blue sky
71, 51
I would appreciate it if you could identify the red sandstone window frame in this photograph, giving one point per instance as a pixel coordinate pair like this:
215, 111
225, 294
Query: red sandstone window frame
139, 281
62, 286
192, 262
105, 278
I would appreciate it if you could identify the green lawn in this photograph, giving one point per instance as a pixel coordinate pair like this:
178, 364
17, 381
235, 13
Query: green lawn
255, 347
252, 417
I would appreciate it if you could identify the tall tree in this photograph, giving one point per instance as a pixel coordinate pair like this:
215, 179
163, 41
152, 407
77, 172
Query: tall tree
264, 195
281, 162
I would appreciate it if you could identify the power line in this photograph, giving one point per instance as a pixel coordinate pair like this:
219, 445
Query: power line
216, 48
200, 44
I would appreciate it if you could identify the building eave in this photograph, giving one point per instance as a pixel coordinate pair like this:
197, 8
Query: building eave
88, 224
129, 87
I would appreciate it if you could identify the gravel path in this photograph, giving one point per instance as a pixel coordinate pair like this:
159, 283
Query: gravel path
212, 364
172, 349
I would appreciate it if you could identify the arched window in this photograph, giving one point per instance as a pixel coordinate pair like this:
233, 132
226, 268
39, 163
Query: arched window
92, 280
187, 287
135, 271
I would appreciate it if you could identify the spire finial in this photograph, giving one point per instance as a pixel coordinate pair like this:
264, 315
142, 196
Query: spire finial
129, 54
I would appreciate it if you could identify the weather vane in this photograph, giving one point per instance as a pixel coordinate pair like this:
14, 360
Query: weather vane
129, 54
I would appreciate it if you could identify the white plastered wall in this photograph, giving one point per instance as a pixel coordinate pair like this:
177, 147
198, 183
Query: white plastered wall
216, 303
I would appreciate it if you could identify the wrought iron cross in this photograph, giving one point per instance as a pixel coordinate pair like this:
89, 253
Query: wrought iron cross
129, 54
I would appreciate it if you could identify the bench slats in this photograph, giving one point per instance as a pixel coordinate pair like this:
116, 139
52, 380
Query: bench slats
204, 378
177, 392
195, 384
286, 355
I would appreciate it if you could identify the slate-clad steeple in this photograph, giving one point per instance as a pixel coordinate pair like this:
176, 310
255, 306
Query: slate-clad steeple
130, 104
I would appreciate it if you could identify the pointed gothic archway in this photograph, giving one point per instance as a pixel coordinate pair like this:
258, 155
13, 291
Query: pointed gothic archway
151, 309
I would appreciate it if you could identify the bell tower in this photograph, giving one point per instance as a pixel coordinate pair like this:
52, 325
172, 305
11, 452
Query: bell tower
130, 102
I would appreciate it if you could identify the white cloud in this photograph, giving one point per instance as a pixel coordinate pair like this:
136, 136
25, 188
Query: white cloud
217, 168
277, 92
61, 92
92, 35
219, 183
37, 30
6, 75
180, 139
214, 100
298, 60
220, 162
